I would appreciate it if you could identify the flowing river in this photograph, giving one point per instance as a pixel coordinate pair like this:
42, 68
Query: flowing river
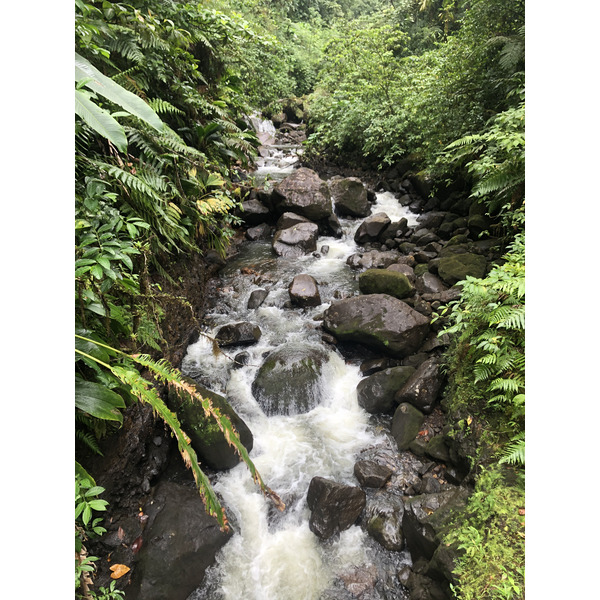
273, 555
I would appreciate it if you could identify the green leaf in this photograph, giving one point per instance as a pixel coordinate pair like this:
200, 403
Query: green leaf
98, 401
82, 473
97, 271
111, 90
99, 120
103, 260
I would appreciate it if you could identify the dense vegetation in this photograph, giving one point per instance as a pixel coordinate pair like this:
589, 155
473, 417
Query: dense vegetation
163, 89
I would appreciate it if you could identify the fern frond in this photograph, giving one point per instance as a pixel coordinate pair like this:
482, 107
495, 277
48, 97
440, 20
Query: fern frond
89, 440
514, 453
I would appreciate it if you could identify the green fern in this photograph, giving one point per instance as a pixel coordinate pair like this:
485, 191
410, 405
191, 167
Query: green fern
514, 453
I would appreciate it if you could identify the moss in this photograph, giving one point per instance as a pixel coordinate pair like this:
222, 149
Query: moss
382, 281
490, 534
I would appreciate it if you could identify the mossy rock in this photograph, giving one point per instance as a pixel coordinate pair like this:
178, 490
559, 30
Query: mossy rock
382, 281
455, 268
421, 269
376, 393
289, 380
207, 439
406, 424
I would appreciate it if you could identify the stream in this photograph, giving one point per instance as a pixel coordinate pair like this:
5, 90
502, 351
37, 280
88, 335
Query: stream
273, 555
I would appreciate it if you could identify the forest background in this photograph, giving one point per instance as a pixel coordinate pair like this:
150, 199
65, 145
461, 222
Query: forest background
562, 132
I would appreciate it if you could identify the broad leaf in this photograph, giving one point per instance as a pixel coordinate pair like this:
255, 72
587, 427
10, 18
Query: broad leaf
99, 120
98, 401
111, 90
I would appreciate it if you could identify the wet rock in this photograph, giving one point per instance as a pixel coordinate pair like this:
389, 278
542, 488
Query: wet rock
207, 439
333, 226
349, 197
371, 227
477, 224
289, 219
334, 506
304, 193
376, 394
375, 259
297, 240
288, 382
371, 366
238, 334
384, 281
304, 291
260, 232
371, 474
406, 424
325, 250
378, 321
405, 269
423, 387
241, 359
257, 297
422, 587
384, 522
253, 213
179, 543
429, 284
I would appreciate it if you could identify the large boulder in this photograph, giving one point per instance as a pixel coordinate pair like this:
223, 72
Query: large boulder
297, 240
304, 291
350, 197
384, 281
371, 474
371, 227
456, 267
379, 321
206, 437
428, 283
289, 380
257, 297
374, 259
180, 542
254, 212
406, 424
334, 506
376, 393
423, 387
304, 193
238, 334
289, 219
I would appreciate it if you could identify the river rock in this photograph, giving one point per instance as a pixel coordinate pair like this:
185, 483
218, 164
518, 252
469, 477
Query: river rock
405, 269
260, 232
289, 219
371, 474
455, 268
289, 380
406, 424
371, 227
423, 387
376, 394
238, 334
334, 506
384, 522
179, 543
373, 365
375, 259
207, 439
428, 283
297, 240
253, 213
384, 281
349, 197
304, 291
378, 321
257, 297
304, 193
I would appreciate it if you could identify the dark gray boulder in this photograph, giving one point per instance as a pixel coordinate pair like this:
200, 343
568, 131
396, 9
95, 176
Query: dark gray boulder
304, 291
376, 394
349, 197
378, 321
371, 474
428, 283
334, 506
423, 387
384, 281
372, 365
406, 424
405, 269
289, 219
257, 297
206, 437
238, 334
254, 212
289, 380
454, 268
297, 240
304, 193
179, 543
371, 227
260, 232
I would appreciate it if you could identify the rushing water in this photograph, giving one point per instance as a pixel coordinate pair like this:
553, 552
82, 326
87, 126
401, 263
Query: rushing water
273, 555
